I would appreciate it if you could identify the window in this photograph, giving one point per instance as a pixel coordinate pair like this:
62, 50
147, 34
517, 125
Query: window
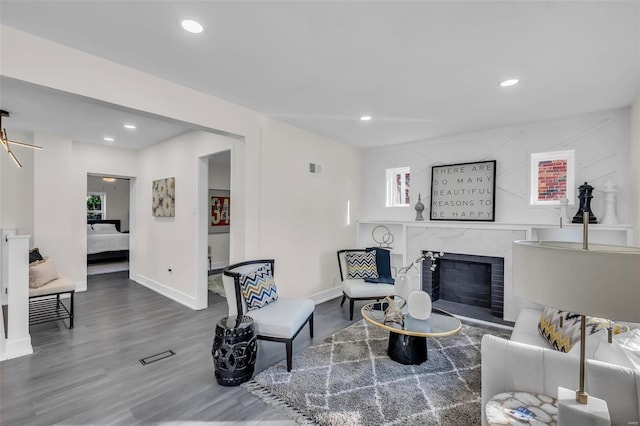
398, 180
96, 205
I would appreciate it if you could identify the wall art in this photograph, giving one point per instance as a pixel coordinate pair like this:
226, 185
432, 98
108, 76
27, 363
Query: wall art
163, 197
463, 191
219, 211
553, 178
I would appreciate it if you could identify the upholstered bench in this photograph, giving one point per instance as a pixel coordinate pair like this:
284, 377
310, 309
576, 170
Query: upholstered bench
43, 307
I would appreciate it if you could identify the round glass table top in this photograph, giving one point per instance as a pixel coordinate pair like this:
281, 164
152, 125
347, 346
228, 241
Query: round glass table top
440, 323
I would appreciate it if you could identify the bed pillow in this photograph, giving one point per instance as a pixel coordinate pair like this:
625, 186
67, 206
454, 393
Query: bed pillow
34, 255
105, 228
42, 273
361, 265
259, 287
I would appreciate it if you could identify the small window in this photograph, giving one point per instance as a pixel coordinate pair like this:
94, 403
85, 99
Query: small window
398, 181
96, 205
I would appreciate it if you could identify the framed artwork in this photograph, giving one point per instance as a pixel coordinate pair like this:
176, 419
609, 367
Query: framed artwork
219, 211
163, 197
464, 191
553, 178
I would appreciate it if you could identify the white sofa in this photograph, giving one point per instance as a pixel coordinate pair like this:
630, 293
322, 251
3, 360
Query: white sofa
527, 362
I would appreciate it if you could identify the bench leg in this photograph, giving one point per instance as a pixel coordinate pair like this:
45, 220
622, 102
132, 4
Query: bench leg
71, 310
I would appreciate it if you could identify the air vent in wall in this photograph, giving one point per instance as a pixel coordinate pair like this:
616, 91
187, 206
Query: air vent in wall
315, 169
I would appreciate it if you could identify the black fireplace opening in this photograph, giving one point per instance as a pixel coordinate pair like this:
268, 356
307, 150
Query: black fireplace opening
466, 279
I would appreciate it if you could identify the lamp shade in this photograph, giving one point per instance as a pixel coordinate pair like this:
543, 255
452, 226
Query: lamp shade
603, 281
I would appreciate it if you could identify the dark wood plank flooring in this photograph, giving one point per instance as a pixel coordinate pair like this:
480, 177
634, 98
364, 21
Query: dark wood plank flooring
92, 375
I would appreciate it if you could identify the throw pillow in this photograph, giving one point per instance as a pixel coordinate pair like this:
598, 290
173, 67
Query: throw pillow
563, 338
259, 287
361, 265
383, 265
42, 273
34, 255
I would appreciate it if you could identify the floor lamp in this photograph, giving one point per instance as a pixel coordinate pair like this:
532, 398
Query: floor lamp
598, 280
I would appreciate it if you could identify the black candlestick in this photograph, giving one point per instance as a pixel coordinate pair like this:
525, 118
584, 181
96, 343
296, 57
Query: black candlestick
585, 204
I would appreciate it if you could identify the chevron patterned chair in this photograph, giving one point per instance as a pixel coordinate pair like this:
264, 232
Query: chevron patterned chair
250, 289
354, 287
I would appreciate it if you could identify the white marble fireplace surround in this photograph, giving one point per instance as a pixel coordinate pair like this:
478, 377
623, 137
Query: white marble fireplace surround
482, 239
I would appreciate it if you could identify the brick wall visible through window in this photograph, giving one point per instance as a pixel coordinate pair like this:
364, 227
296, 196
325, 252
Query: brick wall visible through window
552, 180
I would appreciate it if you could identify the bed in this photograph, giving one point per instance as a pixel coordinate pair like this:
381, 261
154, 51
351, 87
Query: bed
105, 242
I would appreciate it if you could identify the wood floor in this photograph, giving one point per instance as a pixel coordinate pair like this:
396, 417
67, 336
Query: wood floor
92, 375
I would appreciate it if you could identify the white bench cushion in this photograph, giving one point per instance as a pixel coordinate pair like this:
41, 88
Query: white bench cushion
56, 286
281, 318
358, 288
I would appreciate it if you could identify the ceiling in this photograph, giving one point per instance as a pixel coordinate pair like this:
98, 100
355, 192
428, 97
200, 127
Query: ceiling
421, 69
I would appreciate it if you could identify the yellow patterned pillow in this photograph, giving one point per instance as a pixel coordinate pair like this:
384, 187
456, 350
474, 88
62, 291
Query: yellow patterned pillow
562, 338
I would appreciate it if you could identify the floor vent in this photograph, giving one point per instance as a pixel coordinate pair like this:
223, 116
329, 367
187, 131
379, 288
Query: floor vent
157, 357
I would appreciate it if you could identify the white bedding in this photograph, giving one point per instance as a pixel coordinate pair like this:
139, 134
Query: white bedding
98, 243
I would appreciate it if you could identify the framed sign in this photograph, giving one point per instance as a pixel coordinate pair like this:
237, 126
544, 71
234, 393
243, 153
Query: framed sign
553, 178
219, 211
463, 191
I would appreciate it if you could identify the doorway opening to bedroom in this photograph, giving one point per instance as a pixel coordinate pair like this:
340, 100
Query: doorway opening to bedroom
219, 218
108, 212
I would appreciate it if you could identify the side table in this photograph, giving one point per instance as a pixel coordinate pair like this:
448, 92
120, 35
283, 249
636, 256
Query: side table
234, 350
544, 407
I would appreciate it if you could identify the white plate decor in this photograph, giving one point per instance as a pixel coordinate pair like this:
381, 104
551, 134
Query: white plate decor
419, 304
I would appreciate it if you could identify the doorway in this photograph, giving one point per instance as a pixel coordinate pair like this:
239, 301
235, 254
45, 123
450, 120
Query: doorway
108, 224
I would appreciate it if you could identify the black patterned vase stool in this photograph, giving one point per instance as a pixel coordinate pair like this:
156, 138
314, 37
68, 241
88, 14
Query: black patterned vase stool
234, 350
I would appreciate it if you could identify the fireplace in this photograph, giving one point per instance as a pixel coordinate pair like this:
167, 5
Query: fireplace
467, 279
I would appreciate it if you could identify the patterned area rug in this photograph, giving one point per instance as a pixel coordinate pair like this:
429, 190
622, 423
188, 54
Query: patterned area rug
349, 380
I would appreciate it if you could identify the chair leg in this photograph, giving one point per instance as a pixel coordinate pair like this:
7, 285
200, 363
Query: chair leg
289, 344
71, 310
351, 302
344, 296
311, 325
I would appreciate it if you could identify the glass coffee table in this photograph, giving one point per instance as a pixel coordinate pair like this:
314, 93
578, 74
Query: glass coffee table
407, 335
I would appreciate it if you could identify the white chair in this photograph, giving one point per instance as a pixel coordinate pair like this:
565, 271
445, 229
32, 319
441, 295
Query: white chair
359, 289
278, 321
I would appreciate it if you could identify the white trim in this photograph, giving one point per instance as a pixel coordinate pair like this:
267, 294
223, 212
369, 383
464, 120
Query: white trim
171, 293
16, 348
482, 322
325, 295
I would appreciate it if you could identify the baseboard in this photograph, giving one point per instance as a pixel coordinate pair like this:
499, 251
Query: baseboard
17, 348
81, 285
325, 295
171, 293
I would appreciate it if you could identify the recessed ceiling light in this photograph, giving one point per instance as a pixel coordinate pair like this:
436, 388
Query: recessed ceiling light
191, 26
108, 139
365, 118
109, 179
130, 126
509, 82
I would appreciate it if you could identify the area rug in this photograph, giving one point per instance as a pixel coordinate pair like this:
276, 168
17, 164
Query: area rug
349, 380
215, 284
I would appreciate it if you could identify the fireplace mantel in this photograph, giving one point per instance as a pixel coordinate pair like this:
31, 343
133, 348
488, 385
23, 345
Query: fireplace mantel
484, 239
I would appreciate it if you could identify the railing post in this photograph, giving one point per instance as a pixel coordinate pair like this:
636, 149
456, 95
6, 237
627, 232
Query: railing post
16, 264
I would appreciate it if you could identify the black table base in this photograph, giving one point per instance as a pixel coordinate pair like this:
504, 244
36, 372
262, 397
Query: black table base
234, 350
408, 350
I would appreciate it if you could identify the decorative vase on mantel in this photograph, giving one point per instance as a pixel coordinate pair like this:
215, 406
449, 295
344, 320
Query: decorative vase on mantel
419, 209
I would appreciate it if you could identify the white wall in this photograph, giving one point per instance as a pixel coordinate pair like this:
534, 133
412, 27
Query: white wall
601, 142
634, 164
117, 196
304, 217
16, 187
219, 178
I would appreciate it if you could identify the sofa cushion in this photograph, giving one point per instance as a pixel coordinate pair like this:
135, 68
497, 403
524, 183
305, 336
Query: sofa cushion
361, 265
259, 287
60, 285
383, 266
562, 338
355, 289
41, 273
598, 347
283, 317
525, 330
